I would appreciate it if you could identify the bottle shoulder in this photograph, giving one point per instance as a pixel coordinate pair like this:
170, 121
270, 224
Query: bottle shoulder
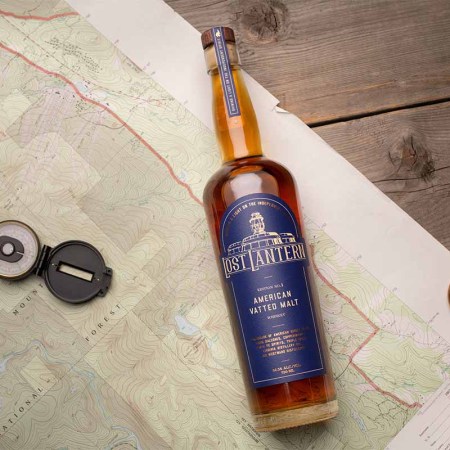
245, 171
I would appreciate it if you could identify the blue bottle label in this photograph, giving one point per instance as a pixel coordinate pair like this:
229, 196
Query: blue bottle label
226, 73
264, 263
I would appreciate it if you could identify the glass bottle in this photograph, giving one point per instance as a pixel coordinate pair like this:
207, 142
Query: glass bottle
256, 227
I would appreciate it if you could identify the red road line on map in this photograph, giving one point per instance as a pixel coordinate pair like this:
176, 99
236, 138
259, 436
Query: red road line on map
365, 342
112, 113
55, 16
338, 292
382, 391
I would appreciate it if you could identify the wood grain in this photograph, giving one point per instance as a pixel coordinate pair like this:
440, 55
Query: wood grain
326, 60
406, 154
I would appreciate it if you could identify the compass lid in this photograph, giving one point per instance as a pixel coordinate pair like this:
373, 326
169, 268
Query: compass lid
76, 272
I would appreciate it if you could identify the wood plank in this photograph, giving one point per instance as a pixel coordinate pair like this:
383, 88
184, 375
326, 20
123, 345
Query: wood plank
326, 60
406, 154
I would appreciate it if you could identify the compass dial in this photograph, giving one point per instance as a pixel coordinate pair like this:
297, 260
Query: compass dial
19, 249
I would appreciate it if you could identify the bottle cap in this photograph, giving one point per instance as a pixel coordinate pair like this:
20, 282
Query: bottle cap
207, 36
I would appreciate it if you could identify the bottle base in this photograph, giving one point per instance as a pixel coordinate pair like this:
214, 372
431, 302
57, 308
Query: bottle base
295, 417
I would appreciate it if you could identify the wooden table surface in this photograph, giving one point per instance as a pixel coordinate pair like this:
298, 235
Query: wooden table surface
372, 77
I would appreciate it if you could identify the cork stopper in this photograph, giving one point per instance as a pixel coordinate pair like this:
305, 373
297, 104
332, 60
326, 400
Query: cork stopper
207, 37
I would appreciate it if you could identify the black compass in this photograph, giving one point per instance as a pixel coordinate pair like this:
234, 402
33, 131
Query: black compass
73, 271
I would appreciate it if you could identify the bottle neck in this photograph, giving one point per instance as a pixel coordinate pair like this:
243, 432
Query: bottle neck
234, 117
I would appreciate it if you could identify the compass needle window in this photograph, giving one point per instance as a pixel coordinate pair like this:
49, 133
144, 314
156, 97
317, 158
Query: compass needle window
75, 272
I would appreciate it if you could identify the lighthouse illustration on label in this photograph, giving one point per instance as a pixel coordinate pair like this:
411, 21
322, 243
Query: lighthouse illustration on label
260, 237
262, 248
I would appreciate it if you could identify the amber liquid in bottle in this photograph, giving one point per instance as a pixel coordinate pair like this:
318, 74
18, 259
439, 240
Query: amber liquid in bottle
246, 171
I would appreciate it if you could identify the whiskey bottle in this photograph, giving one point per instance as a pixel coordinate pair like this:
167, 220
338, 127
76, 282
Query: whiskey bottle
258, 234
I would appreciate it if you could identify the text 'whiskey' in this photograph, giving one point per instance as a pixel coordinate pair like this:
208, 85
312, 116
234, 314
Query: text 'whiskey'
259, 239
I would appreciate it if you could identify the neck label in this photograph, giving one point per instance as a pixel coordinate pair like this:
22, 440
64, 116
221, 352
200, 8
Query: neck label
226, 73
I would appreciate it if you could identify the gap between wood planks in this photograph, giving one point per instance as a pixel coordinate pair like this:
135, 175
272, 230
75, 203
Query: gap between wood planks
376, 113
